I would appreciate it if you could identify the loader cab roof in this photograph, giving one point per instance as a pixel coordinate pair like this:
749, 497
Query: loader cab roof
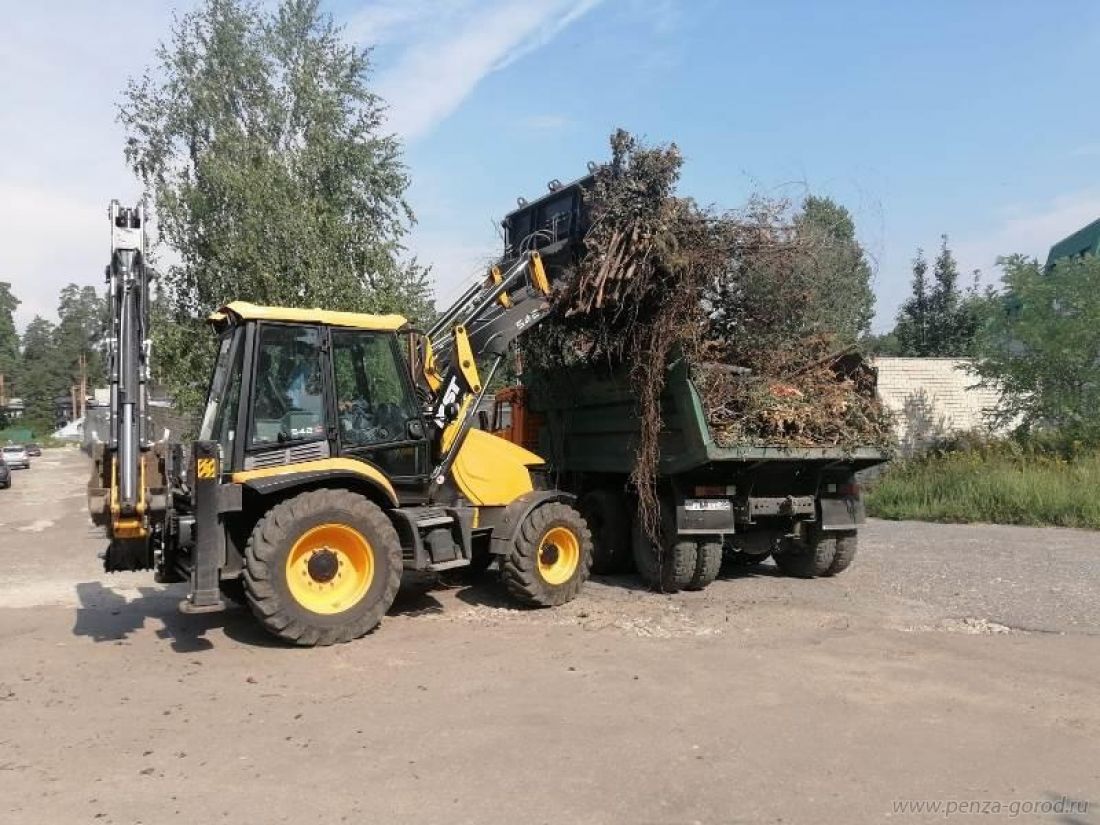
239, 311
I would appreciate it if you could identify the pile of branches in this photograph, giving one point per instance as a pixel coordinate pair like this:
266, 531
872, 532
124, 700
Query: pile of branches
662, 276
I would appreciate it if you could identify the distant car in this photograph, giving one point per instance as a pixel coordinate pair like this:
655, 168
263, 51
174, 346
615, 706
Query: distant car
34, 451
15, 455
5, 475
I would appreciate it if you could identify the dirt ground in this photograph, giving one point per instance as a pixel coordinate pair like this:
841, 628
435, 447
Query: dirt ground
951, 663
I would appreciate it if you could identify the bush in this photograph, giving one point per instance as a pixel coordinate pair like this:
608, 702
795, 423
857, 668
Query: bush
1046, 481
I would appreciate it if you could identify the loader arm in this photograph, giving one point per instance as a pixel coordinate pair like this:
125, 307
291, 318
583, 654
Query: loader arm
477, 329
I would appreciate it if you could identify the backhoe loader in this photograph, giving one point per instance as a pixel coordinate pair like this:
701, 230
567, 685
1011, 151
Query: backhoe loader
336, 450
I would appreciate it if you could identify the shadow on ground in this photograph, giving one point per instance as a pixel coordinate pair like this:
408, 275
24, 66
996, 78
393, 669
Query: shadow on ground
107, 616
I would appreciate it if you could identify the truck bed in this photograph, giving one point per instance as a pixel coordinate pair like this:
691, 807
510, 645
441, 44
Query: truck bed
590, 424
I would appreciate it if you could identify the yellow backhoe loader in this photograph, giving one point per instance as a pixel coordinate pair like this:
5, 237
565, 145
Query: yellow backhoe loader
336, 450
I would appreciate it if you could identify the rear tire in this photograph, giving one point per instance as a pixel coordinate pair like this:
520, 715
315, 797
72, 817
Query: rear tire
607, 517
669, 567
708, 561
808, 557
342, 596
551, 556
846, 546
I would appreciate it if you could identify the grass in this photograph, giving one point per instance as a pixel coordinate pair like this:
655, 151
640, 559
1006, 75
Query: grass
999, 486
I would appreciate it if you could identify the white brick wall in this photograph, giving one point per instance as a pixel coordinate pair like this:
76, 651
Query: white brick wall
932, 397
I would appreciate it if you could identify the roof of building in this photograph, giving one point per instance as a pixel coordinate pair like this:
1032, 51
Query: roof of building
1085, 241
245, 311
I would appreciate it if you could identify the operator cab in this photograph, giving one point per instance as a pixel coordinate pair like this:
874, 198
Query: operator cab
294, 386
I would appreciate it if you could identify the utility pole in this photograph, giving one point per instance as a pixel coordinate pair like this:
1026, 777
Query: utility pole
83, 386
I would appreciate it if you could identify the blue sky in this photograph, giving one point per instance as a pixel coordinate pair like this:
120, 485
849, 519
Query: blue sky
974, 119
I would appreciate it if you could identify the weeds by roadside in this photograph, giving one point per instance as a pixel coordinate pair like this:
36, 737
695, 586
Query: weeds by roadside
1048, 483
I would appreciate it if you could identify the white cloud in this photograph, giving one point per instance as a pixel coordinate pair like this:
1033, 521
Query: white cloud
1029, 231
445, 49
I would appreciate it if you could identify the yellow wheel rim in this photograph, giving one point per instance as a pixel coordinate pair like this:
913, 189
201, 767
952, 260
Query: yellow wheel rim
559, 555
330, 568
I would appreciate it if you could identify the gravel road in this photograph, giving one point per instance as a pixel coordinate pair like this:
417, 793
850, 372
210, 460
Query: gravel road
950, 663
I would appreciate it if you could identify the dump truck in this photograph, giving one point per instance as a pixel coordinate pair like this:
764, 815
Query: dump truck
800, 505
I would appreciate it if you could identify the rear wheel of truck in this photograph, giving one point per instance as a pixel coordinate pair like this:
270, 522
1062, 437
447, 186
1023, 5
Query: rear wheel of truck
608, 519
550, 558
846, 546
807, 557
668, 566
322, 567
708, 561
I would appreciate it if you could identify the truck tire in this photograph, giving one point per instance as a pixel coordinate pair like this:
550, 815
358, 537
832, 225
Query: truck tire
668, 569
550, 558
322, 567
708, 561
808, 557
608, 519
847, 544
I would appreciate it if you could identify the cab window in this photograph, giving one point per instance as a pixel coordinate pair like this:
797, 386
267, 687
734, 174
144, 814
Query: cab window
224, 429
288, 400
372, 399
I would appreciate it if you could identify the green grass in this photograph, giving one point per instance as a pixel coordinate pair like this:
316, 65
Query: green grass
992, 486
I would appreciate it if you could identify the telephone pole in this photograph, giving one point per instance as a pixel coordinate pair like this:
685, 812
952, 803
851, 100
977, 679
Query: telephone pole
83, 386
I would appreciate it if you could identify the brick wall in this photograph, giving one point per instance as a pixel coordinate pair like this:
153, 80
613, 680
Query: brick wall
931, 398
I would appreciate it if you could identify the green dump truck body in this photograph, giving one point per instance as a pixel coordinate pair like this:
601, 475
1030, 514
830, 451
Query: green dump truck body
591, 425
716, 506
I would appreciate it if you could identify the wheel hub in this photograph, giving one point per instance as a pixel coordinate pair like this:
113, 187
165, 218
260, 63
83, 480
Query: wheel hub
323, 565
549, 554
330, 568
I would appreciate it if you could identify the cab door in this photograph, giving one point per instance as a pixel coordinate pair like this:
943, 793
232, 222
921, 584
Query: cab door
376, 414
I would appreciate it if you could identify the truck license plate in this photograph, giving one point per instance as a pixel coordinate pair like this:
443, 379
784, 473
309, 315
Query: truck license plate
702, 505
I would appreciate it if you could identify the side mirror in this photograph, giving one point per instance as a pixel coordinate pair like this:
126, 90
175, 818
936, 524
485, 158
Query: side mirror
483, 420
414, 429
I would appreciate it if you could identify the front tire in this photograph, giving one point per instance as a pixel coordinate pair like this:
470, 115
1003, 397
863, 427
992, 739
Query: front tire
551, 556
322, 567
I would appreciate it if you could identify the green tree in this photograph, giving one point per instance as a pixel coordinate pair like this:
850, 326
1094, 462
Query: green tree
80, 333
938, 319
9, 340
844, 299
912, 331
42, 375
791, 277
1039, 345
272, 178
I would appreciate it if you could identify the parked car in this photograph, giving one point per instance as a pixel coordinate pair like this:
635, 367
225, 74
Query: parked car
34, 451
5, 474
15, 455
